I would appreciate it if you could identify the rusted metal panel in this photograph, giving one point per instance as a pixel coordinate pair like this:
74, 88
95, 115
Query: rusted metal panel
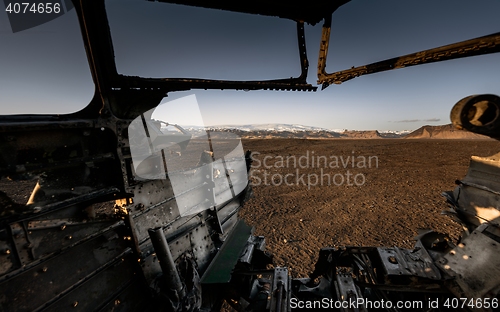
475, 265
39, 285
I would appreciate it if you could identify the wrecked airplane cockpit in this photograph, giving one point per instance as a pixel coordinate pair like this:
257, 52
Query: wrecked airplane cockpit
172, 240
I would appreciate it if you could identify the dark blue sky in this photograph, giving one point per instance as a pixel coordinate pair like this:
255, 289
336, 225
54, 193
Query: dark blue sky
44, 69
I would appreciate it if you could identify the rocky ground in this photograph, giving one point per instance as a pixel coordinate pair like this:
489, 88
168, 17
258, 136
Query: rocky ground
380, 204
382, 198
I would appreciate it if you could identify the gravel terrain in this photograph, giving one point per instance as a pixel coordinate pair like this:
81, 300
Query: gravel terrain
378, 205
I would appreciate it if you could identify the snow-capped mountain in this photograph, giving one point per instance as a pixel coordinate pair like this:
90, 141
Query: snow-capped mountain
279, 130
295, 131
397, 132
270, 127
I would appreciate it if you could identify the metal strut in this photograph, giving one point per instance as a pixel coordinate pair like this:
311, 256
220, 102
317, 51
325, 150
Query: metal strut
477, 46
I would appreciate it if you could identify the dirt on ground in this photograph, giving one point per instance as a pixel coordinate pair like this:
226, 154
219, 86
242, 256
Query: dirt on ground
310, 194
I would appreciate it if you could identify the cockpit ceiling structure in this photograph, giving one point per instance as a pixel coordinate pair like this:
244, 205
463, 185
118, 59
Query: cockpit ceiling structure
311, 12
101, 49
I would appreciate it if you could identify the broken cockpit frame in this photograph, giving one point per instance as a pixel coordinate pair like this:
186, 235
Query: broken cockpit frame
477, 46
172, 238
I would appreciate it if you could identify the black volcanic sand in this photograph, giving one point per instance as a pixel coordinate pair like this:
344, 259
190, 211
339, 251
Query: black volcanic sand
396, 198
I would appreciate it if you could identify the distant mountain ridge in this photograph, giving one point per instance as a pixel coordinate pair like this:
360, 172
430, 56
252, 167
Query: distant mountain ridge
270, 127
361, 134
275, 130
443, 132
295, 131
